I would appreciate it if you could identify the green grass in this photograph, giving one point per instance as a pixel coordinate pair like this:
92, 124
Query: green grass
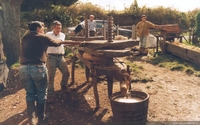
134, 67
15, 65
197, 74
175, 64
145, 80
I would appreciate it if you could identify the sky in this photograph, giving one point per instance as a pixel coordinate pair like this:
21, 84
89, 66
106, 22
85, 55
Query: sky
181, 5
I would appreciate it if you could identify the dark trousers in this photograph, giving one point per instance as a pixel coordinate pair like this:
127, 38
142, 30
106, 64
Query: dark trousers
92, 33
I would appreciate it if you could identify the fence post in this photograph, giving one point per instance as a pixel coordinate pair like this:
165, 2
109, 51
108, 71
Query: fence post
190, 33
104, 31
133, 32
117, 28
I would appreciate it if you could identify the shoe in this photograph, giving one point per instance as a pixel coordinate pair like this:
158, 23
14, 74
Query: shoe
41, 109
63, 87
31, 112
136, 53
50, 92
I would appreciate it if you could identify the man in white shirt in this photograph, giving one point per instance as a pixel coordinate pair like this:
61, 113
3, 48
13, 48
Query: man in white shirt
92, 26
56, 59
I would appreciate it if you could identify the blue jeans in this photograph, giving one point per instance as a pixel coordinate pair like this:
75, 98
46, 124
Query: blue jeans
54, 62
143, 40
34, 79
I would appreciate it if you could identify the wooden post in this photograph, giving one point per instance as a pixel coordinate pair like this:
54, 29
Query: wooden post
110, 28
129, 72
86, 28
117, 28
87, 73
110, 85
104, 32
74, 58
96, 95
109, 77
190, 31
181, 39
1, 49
162, 44
133, 32
157, 38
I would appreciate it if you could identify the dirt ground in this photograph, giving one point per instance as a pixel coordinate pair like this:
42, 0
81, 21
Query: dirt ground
174, 96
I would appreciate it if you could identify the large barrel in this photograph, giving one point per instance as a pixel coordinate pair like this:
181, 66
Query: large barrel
130, 112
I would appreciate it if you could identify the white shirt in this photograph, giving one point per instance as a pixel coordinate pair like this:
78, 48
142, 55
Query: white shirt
91, 25
59, 49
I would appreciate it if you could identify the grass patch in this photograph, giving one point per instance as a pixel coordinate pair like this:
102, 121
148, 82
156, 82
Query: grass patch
175, 64
197, 74
70, 55
15, 65
190, 71
144, 80
134, 67
177, 67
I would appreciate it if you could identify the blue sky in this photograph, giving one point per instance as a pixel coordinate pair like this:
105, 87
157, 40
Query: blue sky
181, 5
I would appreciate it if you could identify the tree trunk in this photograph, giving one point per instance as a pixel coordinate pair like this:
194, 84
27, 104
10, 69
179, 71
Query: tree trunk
10, 29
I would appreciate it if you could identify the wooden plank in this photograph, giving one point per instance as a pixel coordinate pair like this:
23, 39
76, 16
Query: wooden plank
107, 53
89, 50
71, 42
184, 53
74, 58
86, 62
90, 38
169, 28
114, 53
104, 44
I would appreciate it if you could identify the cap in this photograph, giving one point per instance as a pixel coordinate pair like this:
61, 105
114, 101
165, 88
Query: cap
143, 15
91, 15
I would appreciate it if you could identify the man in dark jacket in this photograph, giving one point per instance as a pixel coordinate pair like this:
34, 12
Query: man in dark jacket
33, 71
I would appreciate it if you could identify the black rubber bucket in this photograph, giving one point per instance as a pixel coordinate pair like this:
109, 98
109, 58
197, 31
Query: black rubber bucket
130, 112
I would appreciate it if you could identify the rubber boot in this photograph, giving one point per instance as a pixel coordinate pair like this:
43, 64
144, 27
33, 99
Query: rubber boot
31, 112
41, 107
143, 51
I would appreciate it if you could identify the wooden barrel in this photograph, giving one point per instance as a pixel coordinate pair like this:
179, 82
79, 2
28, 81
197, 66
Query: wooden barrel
131, 112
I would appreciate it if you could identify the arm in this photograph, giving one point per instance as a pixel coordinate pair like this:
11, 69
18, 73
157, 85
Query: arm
137, 28
52, 42
152, 25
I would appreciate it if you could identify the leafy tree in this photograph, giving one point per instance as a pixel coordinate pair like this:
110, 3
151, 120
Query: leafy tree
198, 24
60, 13
134, 6
10, 22
80, 11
